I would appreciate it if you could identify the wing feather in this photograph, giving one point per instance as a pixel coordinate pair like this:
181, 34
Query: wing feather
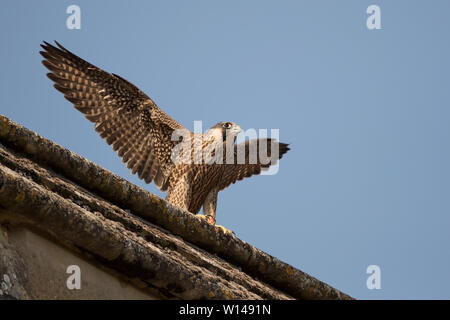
138, 130
250, 164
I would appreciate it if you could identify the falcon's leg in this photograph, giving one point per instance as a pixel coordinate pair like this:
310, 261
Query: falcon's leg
180, 195
209, 208
210, 205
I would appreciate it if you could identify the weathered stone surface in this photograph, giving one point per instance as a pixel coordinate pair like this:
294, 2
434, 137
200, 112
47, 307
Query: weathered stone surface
129, 232
32, 267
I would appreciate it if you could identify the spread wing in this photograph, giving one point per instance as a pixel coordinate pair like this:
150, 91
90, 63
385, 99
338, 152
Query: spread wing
249, 161
126, 117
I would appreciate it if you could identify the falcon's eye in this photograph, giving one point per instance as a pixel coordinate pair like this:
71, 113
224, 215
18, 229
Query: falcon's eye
227, 125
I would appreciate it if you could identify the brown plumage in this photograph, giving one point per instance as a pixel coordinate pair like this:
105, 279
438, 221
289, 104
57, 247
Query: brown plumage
141, 134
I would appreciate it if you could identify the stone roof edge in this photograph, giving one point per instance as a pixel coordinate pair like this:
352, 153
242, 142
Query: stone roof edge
158, 211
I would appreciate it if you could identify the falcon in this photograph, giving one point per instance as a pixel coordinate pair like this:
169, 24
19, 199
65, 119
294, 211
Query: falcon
145, 137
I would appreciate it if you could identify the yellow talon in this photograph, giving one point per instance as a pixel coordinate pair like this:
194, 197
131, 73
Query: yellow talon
207, 218
224, 230
211, 221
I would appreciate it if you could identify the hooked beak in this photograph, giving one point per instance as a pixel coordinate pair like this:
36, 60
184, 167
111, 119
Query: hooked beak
238, 129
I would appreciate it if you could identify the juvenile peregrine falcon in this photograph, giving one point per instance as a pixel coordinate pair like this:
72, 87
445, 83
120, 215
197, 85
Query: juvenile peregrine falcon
143, 135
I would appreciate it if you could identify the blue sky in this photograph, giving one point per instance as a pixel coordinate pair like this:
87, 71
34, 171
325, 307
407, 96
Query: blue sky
367, 180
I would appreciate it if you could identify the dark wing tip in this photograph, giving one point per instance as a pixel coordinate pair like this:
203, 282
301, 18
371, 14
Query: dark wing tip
284, 147
60, 46
61, 89
51, 48
46, 46
48, 65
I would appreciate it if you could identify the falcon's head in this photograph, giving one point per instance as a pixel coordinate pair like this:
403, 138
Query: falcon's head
225, 129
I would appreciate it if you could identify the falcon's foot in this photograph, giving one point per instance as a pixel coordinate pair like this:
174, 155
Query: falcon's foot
210, 220
224, 230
